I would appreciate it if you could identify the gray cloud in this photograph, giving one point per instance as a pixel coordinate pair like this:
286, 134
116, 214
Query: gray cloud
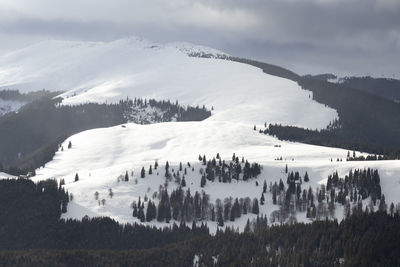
342, 36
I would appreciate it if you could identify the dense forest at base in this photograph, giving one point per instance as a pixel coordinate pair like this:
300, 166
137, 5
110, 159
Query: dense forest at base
30, 137
384, 87
31, 234
329, 138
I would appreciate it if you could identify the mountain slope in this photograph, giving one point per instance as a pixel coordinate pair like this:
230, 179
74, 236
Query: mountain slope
240, 95
109, 72
101, 157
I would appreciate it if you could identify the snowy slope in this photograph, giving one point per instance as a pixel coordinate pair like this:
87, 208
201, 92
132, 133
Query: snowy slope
108, 72
99, 156
242, 96
6, 176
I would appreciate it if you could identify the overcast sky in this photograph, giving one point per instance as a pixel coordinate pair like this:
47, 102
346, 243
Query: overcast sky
308, 36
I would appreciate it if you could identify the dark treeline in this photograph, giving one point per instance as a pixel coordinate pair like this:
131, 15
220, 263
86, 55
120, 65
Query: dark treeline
237, 169
384, 87
348, 191
330, 138
28, 211
15, 95
30, 218
360, 240
184, 206
368, 122
32, 222
169, 111
30, 138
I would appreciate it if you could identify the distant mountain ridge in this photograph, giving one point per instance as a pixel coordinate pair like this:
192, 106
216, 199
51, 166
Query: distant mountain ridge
384, 87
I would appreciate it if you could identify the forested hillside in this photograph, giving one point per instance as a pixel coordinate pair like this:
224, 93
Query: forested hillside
362, 239
366, 122
30, 137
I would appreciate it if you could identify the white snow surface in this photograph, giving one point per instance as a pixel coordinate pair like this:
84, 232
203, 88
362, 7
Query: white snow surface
134, 67
99, 156
4, 175
242, 96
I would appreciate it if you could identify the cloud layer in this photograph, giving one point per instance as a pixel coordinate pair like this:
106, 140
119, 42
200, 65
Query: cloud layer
342, 36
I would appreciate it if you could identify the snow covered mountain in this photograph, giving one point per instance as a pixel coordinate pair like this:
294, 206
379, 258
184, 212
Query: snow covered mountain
109, 72
240, 95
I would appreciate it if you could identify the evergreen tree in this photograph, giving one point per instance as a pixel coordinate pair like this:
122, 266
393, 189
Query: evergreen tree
382, 204
265, 187
255, 209
76, 177
69, 144
151, 211
262, 199
135, 210
150, 170
110, 193
247, 228
220, 218
203, 181
141, 215
142, 173
126, 176
306, 178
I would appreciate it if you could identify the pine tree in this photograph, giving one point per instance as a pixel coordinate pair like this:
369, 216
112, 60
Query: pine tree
382, 204
151, 211
64, 207
69, 144
286, 169
110, 193
265, 187
262, 199
220, 218
76, 177
150, 170
392, 209
247, 228
126, 176
141, 215
203, 181
183, 182
306, 178
255, 209
135, 210
142, 173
